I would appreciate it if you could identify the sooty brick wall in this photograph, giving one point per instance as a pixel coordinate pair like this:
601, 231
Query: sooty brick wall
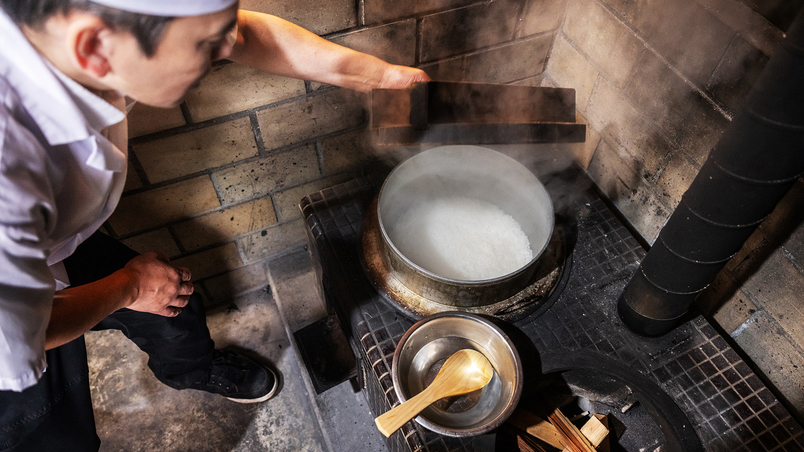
659, 80
216, 183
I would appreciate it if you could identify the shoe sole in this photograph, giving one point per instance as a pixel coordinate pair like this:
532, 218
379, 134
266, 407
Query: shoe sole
263, 398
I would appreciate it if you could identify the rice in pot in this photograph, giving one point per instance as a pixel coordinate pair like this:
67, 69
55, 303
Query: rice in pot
462, 238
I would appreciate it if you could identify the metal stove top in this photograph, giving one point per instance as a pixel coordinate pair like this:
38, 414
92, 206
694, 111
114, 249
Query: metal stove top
729, 407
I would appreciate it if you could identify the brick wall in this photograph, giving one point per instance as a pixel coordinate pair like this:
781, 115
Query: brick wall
216, 183
659, 80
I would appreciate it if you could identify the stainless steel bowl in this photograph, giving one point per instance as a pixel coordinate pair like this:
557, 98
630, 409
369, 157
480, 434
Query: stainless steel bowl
422, 351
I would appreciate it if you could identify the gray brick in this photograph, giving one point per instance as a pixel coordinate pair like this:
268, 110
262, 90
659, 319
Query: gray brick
231, 88
211, 262
781, 362
684, 33
570, 69
625, 9
389, 10
701, 130
777, 286
506, 64
239, 281
735, 75
310, 117
287, 202
450, 70
143, 119
616, 172
297, 290
685, 116
611, 46
647, 211
676, 178
618, 175
394, 43
216, 227
345, 152
467, 29
192, 152
319, 17
536, 80
164, 205
748, 23
613, 115
726, 303
274, 241
541, 16
132, 179
789, 212
158, 240
268, 174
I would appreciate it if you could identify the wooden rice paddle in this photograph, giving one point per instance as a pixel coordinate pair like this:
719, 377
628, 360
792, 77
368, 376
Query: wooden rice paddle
463, 372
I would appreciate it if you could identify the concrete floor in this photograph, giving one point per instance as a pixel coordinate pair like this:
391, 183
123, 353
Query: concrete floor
135, 412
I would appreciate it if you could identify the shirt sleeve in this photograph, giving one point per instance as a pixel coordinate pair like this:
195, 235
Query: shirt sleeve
26, 284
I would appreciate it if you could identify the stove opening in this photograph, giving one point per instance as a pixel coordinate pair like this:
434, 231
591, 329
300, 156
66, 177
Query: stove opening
639, 415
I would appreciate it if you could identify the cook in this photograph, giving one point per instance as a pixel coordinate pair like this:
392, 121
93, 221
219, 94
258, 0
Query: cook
65, 67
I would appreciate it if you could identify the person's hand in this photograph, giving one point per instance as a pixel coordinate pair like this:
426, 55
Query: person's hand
160, 288
400, 77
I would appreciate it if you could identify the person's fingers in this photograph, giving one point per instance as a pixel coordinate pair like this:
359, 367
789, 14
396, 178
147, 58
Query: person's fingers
185, 289
184, 273
172, 311
180, 302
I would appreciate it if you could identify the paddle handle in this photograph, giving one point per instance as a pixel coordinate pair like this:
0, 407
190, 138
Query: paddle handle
392, 420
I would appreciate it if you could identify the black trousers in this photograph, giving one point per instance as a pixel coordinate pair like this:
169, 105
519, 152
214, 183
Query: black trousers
56, 413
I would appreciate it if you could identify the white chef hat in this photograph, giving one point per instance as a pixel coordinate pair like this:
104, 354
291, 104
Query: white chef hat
169, 8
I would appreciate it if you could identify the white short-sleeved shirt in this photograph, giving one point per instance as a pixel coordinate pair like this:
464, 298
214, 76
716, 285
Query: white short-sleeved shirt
60, 179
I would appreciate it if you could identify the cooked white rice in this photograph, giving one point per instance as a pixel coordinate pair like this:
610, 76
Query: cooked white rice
462, 238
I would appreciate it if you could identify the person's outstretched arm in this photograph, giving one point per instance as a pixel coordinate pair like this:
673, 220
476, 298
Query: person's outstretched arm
277, 46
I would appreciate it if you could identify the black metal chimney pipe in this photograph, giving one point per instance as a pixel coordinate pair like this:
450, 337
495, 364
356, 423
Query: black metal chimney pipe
757, 160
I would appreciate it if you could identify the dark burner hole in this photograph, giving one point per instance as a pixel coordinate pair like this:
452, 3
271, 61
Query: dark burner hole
640, 417
582, 393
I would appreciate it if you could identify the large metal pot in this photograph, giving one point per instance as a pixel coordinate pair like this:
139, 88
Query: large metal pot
445, 172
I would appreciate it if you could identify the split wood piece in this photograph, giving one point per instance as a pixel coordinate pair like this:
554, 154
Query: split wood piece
526, 446
524, 442
574, 439
537, 427
594, 431
604, 445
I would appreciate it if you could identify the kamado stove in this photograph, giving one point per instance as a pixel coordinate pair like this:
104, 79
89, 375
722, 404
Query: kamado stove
687, 390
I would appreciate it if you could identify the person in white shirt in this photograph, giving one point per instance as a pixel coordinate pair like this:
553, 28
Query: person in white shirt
65, 67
